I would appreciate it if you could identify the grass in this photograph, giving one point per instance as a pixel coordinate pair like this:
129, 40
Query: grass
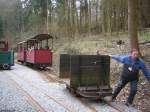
143, 36
106, 44
88, 45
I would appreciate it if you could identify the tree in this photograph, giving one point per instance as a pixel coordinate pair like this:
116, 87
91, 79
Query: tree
1, 28
68, 18
132, 23
35, 15
144, 13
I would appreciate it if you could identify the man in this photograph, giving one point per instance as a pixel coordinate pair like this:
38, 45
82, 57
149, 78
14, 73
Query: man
132, 64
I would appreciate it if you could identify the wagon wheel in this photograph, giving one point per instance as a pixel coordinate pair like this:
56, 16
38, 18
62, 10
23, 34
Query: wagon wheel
6, 66
77, 95
43, 68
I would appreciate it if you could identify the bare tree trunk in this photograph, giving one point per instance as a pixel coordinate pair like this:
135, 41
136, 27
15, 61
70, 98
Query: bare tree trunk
90, 16
97, 4
78, 21
47, 19
65, 13
132, 24
81, 16
69, 19
86, 18
73, 11
44, 16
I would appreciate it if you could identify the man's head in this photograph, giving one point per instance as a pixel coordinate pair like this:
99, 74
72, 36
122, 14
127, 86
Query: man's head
134, 54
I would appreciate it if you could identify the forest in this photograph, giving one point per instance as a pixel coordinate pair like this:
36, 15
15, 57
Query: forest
21, 19
89, 27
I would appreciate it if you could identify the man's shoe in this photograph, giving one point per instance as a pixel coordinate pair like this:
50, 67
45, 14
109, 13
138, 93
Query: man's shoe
113, 98
128, 104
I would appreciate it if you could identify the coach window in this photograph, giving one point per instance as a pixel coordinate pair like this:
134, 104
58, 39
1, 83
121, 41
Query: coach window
20, 47
46, 45
36, 44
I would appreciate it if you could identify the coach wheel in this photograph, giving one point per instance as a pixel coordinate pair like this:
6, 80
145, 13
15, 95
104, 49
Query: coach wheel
43, 68
6, 66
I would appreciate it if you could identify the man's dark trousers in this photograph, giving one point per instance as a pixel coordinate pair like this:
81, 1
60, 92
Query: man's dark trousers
121, 85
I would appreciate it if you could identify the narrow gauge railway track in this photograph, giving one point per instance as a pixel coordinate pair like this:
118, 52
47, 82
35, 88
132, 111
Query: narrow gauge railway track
56, 79
30, 100
45, 94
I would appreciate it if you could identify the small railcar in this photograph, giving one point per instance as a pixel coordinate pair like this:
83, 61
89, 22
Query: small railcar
89, 75
6, 56
36, 51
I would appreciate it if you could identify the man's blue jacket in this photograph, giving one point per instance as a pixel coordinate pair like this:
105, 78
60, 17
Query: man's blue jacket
135, 64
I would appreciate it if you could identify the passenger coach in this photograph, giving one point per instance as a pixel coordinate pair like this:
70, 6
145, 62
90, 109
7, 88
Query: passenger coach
36, 51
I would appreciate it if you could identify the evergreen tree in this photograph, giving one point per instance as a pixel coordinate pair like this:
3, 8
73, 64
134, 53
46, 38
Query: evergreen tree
1, 28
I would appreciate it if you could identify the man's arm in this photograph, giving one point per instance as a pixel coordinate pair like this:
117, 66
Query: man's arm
145, 70
119, 58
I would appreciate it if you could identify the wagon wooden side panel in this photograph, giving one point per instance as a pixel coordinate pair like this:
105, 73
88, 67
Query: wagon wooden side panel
43, 57
30, 56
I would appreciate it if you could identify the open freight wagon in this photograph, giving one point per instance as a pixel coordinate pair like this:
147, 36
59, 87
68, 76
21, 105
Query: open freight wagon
89, 74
